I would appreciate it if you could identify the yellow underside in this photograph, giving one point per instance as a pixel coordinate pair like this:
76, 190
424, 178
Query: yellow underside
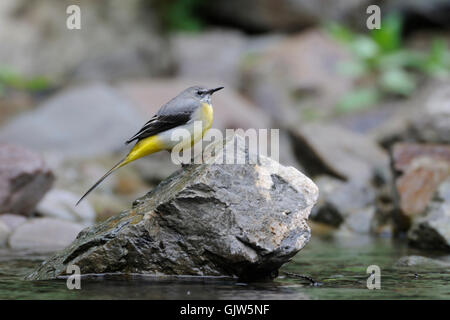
154, 144
207, 116
144, 148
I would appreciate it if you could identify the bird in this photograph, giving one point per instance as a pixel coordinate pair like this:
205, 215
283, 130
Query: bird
191, 105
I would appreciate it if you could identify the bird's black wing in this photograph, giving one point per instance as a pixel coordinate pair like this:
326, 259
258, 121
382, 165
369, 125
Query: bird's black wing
160, 123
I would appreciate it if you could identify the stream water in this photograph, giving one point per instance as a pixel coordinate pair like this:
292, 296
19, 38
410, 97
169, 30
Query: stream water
338, 264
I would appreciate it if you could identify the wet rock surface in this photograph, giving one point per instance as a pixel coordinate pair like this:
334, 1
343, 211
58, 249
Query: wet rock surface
241, 220
432, 231
4, 233
422, 262
24, 179
419, 169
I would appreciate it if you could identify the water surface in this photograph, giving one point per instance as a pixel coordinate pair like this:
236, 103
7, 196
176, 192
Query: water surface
338, 264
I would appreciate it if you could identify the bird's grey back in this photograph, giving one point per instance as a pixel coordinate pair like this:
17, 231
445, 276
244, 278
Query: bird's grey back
185, 102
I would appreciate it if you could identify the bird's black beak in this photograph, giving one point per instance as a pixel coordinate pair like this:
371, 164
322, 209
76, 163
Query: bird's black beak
211, 91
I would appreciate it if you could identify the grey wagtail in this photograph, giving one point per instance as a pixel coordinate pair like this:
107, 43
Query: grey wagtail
193, 104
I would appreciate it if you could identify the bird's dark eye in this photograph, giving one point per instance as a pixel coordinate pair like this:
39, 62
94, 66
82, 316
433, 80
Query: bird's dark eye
199, 92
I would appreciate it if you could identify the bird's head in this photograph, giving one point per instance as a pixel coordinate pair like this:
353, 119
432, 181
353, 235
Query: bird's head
201, 93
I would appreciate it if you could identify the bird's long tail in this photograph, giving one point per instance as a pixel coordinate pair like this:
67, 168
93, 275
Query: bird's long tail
120, 164
142, 148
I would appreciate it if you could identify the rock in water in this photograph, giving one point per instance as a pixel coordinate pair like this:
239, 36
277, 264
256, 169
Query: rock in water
432, 231
4, 233
210, 219
24, 179
419, 261
419, 171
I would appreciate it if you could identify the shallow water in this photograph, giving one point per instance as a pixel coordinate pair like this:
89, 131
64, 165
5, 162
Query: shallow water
338, 264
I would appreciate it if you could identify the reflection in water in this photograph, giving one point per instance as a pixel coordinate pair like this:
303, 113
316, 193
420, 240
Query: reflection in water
338, 266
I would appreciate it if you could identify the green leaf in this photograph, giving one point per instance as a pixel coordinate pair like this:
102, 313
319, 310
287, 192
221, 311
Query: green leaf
10, 79
353, 68
389, 36
437, 63
364, 47
13, 80
359, 99
37, 84
438, 50
339, 32
181, 15
397, 81
401, 59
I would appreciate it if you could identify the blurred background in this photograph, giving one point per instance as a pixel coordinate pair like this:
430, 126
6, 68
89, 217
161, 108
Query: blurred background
364, 113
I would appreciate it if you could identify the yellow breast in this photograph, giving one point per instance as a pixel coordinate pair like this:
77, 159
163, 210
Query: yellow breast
207, 116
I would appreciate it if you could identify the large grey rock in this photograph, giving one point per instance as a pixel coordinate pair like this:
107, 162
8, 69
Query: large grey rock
432, 231
24, 179
80, 122
44, 235
210, 219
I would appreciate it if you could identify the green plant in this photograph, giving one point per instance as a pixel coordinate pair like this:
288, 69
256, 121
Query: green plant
382, 66
12, 80
181, 15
